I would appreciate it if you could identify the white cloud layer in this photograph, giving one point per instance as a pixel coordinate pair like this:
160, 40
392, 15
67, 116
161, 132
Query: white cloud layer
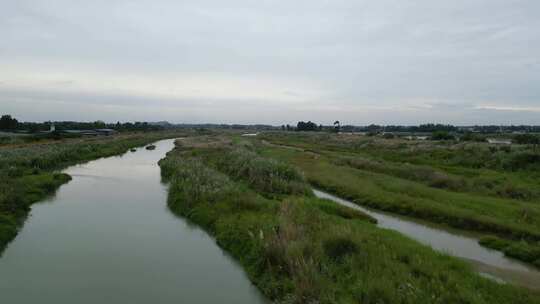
361, 62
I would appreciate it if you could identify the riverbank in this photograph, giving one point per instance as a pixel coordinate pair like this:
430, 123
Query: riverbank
29, 173
454, 242
437, 182
297, 248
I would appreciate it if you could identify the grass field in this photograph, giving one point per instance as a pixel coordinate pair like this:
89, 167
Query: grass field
29, 172
439, 182
300, 249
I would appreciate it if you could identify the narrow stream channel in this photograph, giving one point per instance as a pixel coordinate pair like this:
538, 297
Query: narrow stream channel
490, 263
108, 237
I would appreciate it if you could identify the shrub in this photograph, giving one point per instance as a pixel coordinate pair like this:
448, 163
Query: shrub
527, 139
442, 135
522, 251
339, 247
514, 192
493, 242
522, 160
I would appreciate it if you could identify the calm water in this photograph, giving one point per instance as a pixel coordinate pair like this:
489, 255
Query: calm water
489, 262
108, 237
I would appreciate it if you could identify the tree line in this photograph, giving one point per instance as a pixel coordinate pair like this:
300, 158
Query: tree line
8, 123
311, 126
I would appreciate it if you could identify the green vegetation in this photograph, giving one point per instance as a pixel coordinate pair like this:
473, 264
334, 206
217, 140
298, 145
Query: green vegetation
28, 173
8, 123
29, 132
528, 139
469, 186
16, 196
517, 249
442, 135
300, 249
264, 175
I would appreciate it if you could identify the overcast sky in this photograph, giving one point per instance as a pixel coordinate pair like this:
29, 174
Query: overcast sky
258, 61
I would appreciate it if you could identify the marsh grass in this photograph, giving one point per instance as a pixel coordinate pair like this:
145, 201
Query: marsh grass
300, 249
494, 202
424, 174
267, 176
521, 250
462, 167
264, 175
406, 197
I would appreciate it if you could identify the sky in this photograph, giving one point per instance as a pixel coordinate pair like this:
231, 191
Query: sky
461, 62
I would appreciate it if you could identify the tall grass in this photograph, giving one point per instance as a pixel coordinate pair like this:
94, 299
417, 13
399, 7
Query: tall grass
507, 172
506, 208
264, 175
238, 160
468, 155
300, 249
425, 174
19, 160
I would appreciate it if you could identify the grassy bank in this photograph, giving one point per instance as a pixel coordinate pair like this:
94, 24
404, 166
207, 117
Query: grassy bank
300, 249
29, 173
441, 193
480, 168
520, 250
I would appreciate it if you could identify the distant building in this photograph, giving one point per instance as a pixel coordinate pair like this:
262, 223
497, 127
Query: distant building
81, 132
353, 133
499, 141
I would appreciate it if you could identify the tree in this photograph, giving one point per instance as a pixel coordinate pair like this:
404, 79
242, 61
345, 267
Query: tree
528, 139
33, 128
306, 126
442, 135
99, 124
337, 126
8, 123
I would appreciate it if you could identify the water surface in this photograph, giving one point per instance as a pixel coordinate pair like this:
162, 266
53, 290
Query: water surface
108, 237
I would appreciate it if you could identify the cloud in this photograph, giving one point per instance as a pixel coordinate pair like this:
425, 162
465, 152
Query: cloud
509, 108
361, 61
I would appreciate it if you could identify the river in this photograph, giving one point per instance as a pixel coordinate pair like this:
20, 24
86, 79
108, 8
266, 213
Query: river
488, 262
108, 237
